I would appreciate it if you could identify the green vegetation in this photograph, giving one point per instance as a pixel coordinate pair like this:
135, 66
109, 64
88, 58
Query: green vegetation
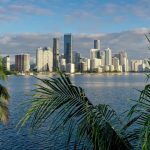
4, 96
10, 72
92, 127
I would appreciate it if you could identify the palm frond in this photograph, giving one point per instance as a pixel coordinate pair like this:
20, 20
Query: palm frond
2, 72
69, 108
4, 97
142, 111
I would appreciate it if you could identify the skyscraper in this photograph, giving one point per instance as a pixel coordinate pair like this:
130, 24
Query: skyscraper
68, 48
22, 62
115, 63
76, 60
124, 61
97, 44
56, 53
108, 57
6, 63
94, 53
102, 57
44, 59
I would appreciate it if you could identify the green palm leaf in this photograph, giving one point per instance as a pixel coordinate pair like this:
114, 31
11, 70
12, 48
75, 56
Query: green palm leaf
4, 97
88, 125
141, 119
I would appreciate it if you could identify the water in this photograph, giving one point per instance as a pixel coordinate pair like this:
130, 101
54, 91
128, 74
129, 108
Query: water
113, 89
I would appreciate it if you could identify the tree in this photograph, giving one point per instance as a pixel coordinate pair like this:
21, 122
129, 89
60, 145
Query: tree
93, 127
141, 113
99, 124
4, 97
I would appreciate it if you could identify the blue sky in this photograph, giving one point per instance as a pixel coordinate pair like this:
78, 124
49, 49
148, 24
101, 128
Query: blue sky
119, 24
75, 16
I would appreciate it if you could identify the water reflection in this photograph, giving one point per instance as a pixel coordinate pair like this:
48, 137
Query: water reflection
114, 89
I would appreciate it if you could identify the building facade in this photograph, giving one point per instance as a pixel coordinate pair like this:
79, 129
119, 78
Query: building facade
124, 61
22, 63
6, 63
56, 49
97, 44
68, 48
44, 59
76, 60
108, 57
94, 53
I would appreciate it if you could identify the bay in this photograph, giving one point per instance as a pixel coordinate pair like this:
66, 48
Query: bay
117, 90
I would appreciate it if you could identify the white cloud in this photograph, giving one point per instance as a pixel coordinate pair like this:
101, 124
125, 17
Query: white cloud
13, 10
31, 9
134, 42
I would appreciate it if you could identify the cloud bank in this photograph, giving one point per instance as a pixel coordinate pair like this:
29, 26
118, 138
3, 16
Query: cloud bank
134, 42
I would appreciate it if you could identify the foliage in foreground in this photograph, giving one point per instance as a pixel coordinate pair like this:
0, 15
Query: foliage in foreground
4, 97
92, 127
72, 109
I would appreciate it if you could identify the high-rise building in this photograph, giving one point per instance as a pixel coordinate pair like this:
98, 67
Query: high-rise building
95, 63
63, 64
56, 49
94, 53
83, 67
70, 68
22, 62
39, 59
97, 44
124, 61
116, 64
102, 57
44, 59
76, 60
135, 64
6, 63
68, 48
108, 57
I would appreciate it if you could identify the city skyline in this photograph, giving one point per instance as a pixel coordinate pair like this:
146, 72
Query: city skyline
70, 61
12, 44
121, 25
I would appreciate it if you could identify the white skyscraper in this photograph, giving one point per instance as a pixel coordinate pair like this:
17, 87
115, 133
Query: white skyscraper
124, 61
44, 59
116, 64
108, 57
63, 64
94, 53
70, 68
135, 65
88, 64
85, 65
6, 63
102, 56
95, 63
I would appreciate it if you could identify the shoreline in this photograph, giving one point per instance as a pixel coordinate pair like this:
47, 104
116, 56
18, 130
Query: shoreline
102, 73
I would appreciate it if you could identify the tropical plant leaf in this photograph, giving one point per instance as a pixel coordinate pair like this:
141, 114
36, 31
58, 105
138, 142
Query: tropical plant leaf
4, 97
88, 125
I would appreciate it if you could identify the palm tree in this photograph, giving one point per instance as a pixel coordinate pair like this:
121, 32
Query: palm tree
99, 125
4, 97
96, 127
90, 127
141, 113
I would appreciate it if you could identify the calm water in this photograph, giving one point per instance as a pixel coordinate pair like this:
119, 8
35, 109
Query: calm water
115, 90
